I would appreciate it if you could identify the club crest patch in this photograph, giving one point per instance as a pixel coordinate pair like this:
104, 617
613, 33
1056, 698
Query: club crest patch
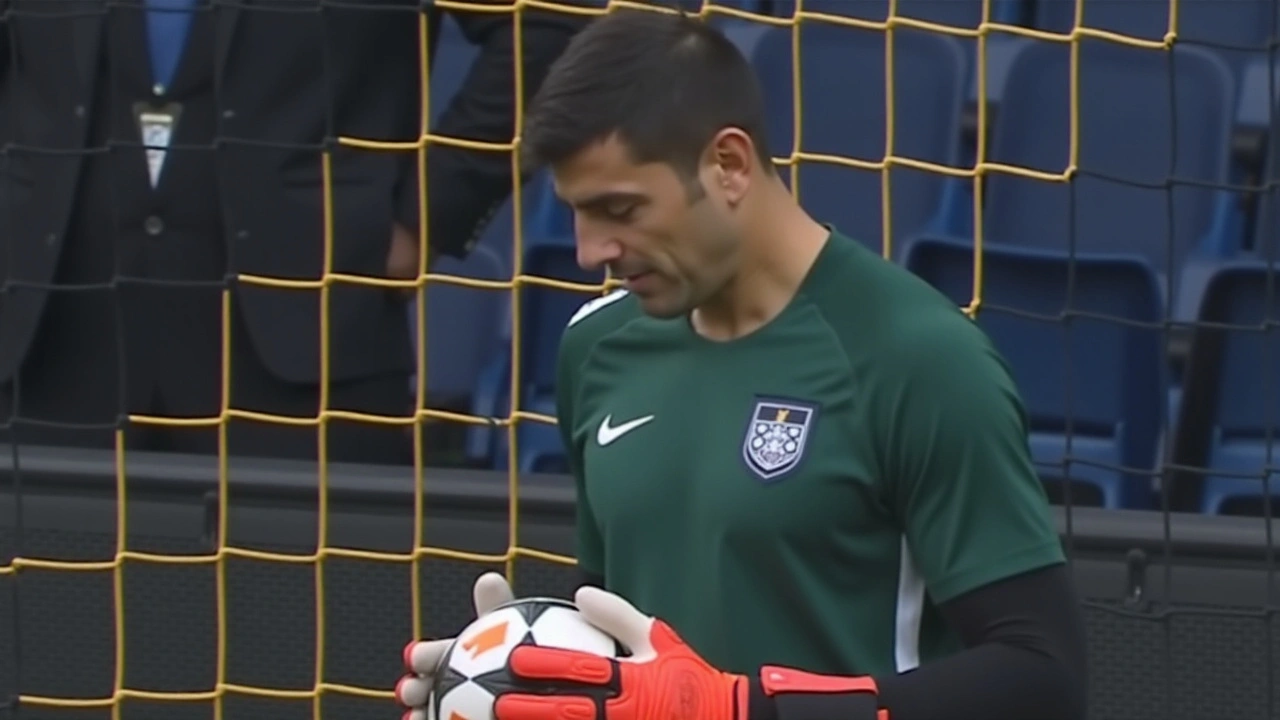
775, 440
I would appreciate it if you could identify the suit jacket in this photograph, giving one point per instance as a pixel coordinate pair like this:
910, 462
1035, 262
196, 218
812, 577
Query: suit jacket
290, 75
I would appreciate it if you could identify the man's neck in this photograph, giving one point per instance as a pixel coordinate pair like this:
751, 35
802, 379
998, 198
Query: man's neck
777, 253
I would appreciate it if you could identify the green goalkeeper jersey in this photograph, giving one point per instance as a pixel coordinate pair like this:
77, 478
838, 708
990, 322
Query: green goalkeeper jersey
805, 495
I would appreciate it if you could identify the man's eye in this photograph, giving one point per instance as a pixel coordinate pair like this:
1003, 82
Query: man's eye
620, 212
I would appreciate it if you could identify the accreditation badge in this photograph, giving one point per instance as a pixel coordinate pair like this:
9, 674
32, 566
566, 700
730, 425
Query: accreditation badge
156, 123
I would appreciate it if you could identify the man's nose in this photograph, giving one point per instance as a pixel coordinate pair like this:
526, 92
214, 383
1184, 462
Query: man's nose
596, 249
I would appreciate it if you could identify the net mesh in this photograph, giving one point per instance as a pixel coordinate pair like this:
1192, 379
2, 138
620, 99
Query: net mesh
330, 619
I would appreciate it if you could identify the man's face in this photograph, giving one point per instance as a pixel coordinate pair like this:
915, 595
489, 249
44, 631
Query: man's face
672, 241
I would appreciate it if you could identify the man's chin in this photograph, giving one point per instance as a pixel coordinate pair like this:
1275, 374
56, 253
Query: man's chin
661, 307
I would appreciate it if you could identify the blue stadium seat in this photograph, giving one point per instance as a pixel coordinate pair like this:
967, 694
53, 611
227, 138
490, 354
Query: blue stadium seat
967, 14
956, 13
1241, 366
1265, 240
1131, 146
545, 312
549, 220
745, 34
760, 7
449, 65
462, 327
1257, 109
1236, 30
843, 114
1259, 88
1092, 385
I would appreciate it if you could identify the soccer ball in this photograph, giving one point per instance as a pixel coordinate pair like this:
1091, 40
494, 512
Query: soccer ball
474, 671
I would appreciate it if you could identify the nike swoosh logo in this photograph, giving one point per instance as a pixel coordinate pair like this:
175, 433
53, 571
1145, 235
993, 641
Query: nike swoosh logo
607, 434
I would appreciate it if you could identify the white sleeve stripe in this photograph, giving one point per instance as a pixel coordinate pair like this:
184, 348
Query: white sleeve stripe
595, 304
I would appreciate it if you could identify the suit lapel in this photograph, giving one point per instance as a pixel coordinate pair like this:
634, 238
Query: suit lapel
226, 13
87, 22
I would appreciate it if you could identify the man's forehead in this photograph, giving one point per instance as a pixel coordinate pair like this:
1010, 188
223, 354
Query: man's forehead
604, 168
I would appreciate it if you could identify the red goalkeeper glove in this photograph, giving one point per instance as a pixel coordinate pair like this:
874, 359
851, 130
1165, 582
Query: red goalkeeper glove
662, 679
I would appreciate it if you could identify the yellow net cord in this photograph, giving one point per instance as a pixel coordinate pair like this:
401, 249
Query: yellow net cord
323, 285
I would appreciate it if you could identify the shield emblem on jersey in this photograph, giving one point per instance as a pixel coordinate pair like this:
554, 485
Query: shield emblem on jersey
776, 436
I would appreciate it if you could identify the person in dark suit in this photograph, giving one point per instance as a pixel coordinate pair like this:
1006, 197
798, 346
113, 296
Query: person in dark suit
113, 257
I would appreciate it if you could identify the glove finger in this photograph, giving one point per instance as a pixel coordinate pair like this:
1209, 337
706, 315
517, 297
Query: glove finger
490, 591
532, 662
615, 616
412, 691
423, 657
534, 707
414, 714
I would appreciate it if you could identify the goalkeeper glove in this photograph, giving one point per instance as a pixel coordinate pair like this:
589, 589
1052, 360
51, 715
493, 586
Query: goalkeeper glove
664, 679
421, 658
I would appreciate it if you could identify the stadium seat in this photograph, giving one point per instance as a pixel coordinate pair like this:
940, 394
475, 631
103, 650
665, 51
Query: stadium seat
549, 220
1260, 213
1233, 386
544, 312
1238, 31
462, 327
1259, 88
745, 34
956, 13
991, 59
843, 115
1265, 238
449, 65
761, 7
1090, 377
966, 14
1136, 188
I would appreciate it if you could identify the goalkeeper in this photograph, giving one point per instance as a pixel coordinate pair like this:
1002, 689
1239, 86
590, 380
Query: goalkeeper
804, 469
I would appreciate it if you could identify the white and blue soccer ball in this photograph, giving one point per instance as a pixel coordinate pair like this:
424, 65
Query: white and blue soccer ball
475, 669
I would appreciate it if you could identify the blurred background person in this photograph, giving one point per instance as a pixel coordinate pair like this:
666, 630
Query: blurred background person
113, 256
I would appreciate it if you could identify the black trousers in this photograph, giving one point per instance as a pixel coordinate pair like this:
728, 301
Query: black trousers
105, 353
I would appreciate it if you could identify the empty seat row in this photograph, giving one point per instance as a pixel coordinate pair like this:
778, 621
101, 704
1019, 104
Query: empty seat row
1085, 338
1147, 139
1153, 166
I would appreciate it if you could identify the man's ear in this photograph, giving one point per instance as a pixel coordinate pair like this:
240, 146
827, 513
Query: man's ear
731, 155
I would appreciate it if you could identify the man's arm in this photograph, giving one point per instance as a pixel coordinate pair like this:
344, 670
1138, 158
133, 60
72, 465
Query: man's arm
466, 187
1025, 658
960, 480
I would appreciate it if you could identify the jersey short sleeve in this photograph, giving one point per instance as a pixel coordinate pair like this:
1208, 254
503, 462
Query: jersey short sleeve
963, 484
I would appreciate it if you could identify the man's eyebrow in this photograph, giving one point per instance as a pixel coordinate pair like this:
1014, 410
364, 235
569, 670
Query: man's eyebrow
608, 198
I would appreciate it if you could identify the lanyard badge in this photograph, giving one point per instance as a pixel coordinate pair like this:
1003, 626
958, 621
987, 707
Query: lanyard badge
157, 124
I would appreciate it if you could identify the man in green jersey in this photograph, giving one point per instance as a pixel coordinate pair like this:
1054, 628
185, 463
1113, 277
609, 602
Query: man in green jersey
803, 477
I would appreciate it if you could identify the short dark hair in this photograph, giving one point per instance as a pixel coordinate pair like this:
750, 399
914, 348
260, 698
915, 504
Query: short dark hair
665, 83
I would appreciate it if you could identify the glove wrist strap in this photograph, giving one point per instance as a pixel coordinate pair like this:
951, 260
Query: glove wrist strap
779, 693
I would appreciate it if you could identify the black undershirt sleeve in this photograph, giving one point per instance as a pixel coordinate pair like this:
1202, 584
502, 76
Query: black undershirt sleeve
1025, 657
